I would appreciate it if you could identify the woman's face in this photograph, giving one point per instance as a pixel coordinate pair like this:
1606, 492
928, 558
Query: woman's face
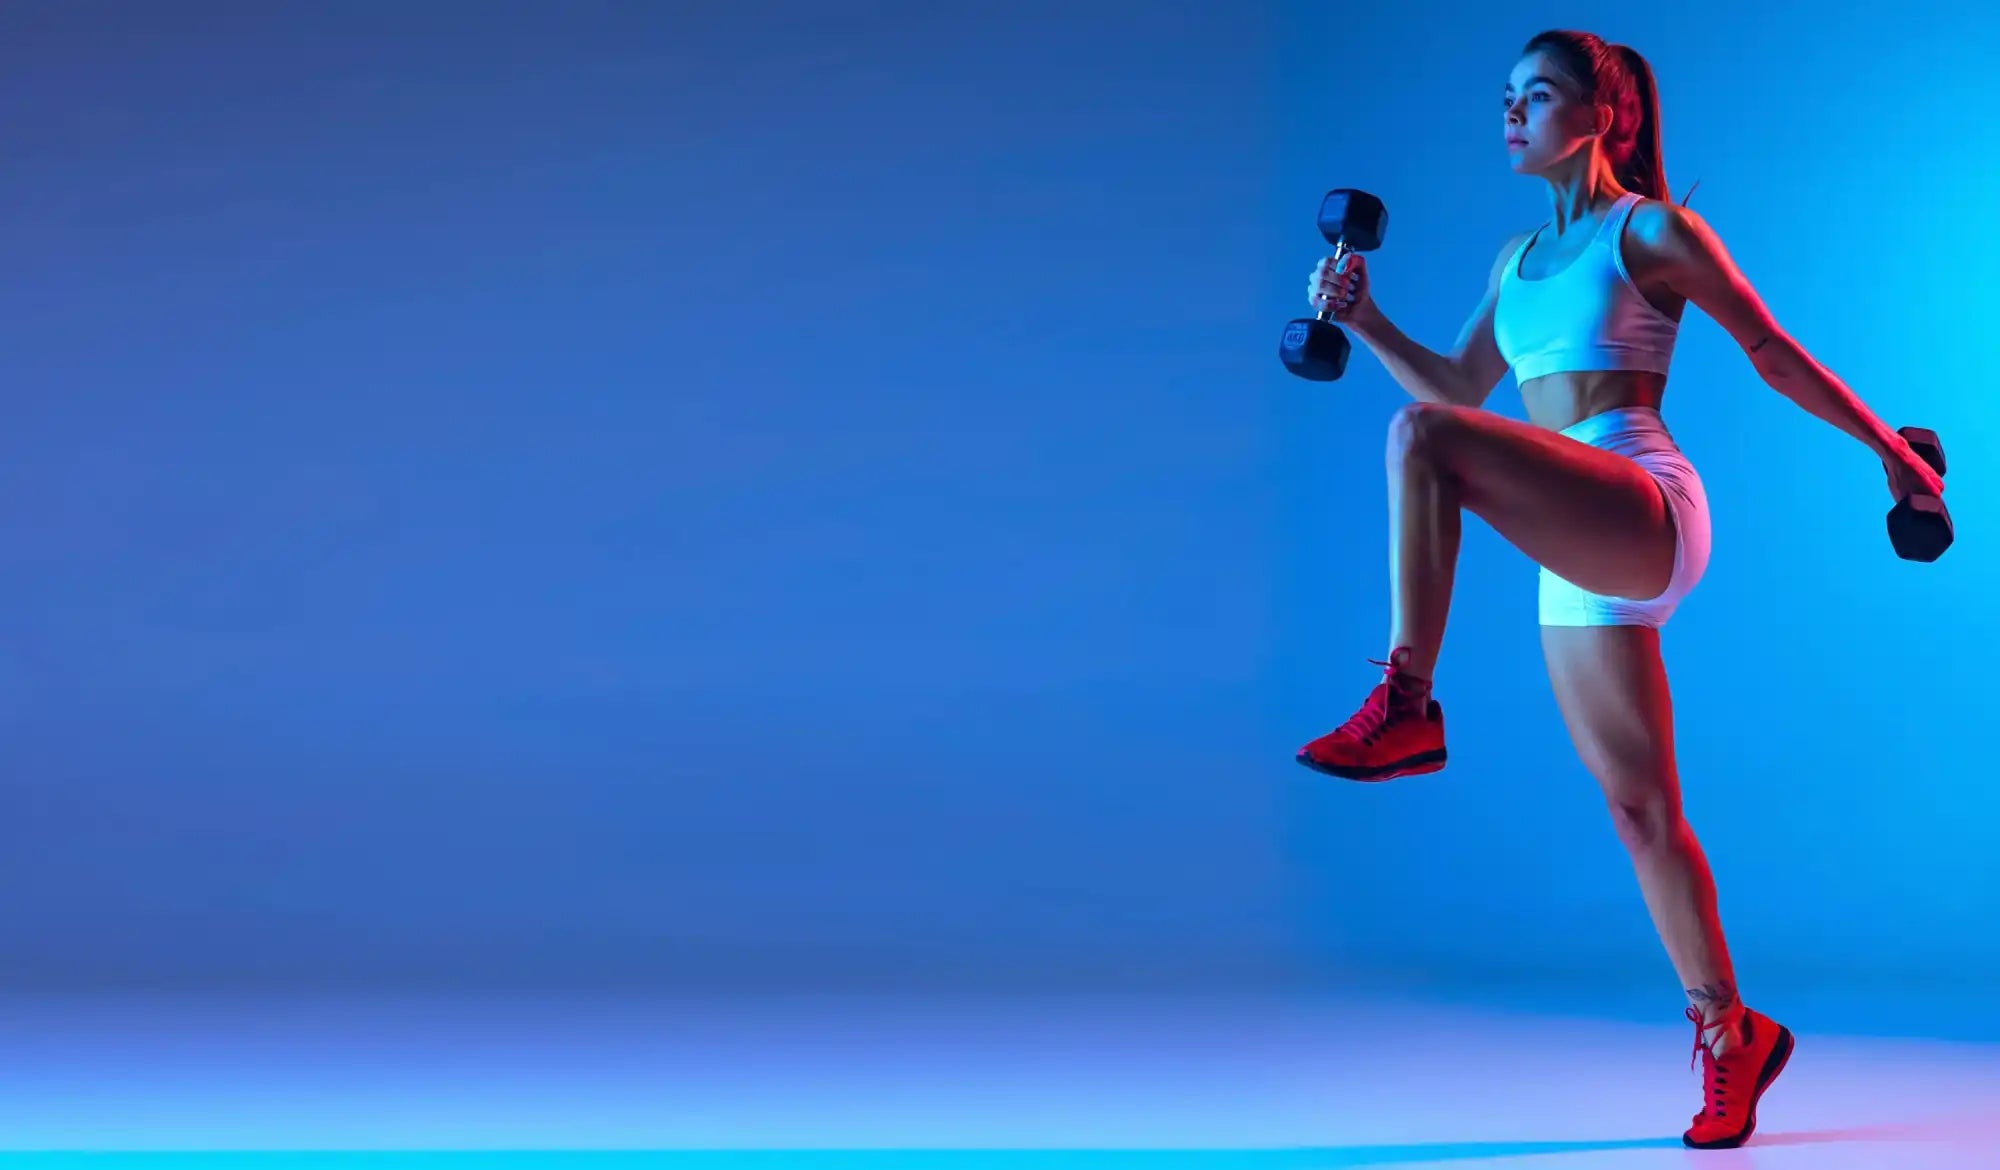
1547, 119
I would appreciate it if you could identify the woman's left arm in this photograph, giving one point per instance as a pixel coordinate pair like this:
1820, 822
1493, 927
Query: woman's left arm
1694, 264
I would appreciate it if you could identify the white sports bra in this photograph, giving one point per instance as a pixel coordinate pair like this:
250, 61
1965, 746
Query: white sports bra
1589, 316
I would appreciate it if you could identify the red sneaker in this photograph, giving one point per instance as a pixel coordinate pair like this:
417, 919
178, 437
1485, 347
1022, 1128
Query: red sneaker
1399, 731
1734, 1082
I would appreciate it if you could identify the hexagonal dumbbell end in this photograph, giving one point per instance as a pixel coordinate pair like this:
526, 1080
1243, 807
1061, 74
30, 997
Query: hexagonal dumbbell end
1927, 446
1353, 218
1314, 350
1920, 525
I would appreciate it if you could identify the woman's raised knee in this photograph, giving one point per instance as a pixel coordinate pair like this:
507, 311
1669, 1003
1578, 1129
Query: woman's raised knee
1414, 430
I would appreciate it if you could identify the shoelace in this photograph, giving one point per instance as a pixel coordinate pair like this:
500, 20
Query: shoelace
1368, 723
1715, 1070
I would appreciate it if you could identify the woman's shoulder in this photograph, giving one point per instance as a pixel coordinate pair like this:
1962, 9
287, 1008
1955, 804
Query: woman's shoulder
1504, 260
1515, 243
1665, 237
1660, 222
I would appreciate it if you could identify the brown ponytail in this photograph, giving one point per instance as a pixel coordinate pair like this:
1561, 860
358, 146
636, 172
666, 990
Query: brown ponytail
1643, 170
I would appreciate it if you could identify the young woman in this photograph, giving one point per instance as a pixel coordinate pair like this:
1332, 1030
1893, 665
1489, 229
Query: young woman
1585, 310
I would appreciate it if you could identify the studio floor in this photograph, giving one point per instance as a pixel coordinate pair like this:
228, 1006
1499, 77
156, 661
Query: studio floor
852, 1081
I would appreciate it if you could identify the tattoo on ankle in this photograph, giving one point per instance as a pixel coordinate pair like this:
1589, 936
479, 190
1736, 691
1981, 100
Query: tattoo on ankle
1714, 999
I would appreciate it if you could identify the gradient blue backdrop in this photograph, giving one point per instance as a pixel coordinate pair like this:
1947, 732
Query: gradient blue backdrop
795, 496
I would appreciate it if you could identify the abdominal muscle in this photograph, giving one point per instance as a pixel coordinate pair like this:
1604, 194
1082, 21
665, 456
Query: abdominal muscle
1557, 401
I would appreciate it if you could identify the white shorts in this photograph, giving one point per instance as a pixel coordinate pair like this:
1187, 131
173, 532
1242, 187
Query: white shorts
1639, 434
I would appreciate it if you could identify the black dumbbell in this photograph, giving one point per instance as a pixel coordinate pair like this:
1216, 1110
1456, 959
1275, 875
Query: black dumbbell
1314, 348
1919, 525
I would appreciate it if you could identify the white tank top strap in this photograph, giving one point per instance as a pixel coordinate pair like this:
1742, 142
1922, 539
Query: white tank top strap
1621, 218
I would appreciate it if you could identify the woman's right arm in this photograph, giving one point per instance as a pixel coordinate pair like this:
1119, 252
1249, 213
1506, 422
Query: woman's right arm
1465, 376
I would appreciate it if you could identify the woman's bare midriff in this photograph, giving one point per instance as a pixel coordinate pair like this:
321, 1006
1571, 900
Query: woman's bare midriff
1556, 401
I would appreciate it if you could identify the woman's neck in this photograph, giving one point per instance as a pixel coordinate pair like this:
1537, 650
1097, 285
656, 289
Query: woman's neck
1582, 196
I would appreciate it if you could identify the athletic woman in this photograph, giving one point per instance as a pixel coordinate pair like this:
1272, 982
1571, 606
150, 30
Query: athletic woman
1585, 310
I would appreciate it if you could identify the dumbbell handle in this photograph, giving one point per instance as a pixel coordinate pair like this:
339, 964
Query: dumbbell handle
1340, 251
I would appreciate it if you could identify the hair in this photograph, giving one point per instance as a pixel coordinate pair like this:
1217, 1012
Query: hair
1616, 76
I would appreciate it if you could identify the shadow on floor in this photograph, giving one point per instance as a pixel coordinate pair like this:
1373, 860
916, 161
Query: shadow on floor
1284, 1158
1278, 1158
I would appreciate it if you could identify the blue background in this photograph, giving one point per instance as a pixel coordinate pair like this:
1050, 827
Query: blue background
788, 496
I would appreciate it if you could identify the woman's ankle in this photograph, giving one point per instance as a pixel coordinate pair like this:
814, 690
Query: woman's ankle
1726, 1028
1406, 683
